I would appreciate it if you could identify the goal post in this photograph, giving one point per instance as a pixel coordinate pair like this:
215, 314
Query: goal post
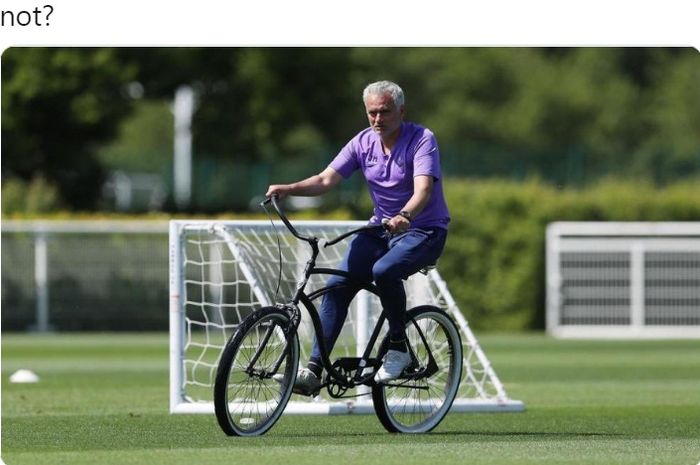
221, 271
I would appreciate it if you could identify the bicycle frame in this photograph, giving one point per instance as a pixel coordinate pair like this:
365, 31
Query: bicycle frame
300, 296
250, 404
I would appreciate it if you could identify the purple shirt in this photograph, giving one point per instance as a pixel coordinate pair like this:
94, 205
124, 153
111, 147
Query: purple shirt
390, 178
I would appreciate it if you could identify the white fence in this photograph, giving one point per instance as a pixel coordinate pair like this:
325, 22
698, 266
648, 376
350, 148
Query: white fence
94, 275
608, 279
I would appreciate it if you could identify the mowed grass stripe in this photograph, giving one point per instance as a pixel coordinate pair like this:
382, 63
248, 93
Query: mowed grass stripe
112, 431
104, 399
593, 451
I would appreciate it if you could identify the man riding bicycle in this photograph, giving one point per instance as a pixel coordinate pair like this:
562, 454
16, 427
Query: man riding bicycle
401, 164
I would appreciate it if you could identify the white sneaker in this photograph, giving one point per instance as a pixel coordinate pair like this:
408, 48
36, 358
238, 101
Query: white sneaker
306, 384
394, 364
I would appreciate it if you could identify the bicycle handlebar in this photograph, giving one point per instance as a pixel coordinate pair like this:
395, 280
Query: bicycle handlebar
273, 199
370, 227
367, 227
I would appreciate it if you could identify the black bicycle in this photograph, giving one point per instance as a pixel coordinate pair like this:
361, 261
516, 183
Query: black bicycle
248, 401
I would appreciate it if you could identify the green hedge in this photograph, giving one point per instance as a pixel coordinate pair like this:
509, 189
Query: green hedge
494, 259
494, 262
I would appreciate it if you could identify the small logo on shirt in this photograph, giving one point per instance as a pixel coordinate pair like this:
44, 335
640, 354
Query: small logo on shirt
371, 159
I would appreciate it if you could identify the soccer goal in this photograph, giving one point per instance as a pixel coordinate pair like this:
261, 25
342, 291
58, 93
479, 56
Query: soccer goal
221, 271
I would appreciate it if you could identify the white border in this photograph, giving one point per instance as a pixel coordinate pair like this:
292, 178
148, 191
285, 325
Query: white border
358, 23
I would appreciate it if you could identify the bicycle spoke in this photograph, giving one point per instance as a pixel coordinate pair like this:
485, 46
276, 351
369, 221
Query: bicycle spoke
252, 400
418, 405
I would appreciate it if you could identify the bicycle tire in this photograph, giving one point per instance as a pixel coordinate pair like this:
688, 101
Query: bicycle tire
247, 400
418, 406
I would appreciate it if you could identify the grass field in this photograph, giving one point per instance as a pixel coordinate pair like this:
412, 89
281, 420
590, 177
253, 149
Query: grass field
103, 399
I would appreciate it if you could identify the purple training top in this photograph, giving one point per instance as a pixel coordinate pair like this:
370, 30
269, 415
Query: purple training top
390, 177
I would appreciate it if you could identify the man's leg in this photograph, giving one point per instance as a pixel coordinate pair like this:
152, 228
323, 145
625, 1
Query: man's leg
408, 253
363, 251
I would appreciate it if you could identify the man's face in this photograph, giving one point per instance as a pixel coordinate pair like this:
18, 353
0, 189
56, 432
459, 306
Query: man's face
383, 115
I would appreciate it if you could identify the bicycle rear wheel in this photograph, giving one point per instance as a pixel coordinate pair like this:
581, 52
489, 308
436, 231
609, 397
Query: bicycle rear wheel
418, 405
247, 400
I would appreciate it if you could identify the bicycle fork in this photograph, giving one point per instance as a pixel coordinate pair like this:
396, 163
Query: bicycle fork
288, 331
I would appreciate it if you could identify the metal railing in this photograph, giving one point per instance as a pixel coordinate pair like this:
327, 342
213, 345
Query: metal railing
615, 279
75, 275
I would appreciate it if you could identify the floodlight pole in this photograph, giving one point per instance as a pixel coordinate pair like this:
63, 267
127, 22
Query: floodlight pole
183, 108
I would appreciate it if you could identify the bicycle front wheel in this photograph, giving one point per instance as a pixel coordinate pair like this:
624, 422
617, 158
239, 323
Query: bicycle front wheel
247, 399
417, 404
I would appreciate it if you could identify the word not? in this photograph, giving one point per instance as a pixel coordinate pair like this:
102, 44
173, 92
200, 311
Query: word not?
26, 17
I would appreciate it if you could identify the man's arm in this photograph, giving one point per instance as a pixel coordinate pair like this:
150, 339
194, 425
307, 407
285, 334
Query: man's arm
422, 189
310, 187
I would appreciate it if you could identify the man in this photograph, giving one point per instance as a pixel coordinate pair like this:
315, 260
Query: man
401, 164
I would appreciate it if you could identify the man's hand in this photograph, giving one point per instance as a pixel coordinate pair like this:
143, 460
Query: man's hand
280, 190
398, 224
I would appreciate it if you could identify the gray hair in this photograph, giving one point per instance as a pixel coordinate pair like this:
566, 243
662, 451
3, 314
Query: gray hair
384, 87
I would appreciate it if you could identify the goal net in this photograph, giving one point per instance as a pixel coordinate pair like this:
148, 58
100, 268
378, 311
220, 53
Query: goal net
222, 271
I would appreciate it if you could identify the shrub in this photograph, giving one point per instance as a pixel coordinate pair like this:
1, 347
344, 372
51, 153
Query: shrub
494, 261
36, 196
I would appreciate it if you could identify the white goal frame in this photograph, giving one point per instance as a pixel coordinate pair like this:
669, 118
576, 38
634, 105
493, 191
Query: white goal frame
623, 280
484, 391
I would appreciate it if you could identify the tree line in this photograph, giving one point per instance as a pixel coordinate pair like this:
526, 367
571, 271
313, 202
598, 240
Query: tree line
626, 112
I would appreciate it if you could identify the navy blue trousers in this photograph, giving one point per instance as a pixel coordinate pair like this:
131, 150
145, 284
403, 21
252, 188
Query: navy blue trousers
371, 256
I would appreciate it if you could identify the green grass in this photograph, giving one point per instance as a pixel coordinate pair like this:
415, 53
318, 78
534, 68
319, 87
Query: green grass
103, 399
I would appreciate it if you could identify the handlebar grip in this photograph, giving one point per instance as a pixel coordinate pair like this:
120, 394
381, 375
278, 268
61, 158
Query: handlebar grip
268, 200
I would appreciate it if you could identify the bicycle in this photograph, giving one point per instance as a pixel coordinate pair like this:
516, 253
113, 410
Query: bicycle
248, 401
